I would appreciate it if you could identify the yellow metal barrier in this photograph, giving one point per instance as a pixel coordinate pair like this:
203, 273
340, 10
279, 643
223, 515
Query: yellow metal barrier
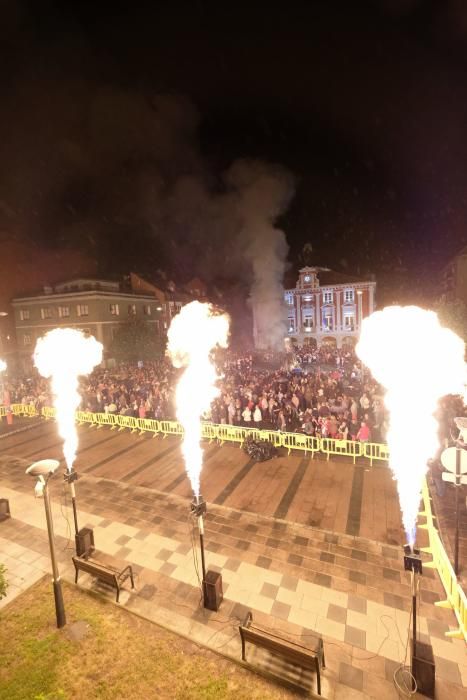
84, 417
345, 448
234, 433
273, 436
456, 598
23, 409
148, 425
102, 419
375, 450
48, 412
170, 427
210, 431
299, 441
127, 422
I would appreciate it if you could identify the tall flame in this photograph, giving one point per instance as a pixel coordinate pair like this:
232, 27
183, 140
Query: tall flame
64, 354
417, 361
193, 333
2, 366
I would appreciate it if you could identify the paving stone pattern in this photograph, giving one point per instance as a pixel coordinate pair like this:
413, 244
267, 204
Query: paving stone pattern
297, 579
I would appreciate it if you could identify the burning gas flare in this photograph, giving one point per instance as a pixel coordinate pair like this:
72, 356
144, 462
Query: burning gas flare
193, 333
64, 354
2, 366
417, 361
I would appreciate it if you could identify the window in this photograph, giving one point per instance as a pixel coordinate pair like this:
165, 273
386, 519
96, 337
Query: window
308, 323
46, 312
24, 314
131, 309
288, 297
82, 310
114, 310
328, 319
348, 296
349, 320
63, 311
147, 309
327, 297
26, 339
291, 324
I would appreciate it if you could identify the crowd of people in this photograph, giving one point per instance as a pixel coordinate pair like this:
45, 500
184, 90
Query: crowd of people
321, 393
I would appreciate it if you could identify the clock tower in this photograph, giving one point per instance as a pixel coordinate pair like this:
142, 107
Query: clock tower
308, 278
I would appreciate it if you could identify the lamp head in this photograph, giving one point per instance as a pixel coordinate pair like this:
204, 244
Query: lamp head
44, 467
461, 424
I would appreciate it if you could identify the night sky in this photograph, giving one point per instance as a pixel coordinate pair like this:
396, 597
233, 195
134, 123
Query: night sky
120, 123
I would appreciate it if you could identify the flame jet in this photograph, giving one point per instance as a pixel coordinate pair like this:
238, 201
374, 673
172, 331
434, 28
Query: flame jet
417, 361
64, 354
192, 335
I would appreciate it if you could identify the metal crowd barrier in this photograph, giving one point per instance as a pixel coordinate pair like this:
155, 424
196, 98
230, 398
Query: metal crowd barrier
148, 425
347, 448
298, 441
101, 419
375, 450
456, 599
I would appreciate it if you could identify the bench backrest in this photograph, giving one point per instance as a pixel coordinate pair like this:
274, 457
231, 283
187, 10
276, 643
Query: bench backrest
92, 567
279, 646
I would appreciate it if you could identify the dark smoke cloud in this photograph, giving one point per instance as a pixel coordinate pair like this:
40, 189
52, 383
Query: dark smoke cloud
119, 174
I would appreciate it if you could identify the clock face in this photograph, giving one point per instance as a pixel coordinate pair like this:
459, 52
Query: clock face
307, 278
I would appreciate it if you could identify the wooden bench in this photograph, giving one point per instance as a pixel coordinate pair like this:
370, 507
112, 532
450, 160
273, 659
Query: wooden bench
312, 659
108, 574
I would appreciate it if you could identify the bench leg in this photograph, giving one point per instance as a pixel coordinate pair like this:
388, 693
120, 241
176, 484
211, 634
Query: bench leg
243, 650
76, 576
131, 578
118, 593
318, 677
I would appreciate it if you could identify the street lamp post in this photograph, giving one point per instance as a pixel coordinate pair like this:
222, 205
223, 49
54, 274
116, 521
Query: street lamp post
43, 470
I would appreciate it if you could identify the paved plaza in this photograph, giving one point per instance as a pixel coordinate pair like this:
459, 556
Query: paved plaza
309, 546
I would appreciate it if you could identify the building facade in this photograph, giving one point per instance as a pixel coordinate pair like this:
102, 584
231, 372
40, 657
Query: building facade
453, 283
91, 305
326, 307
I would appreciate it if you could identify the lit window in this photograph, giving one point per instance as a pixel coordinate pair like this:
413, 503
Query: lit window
26, 339
114, 310
46, 312
63, 311
348, 295
147, 309
308, 324
349, 322
82, 310
291, 324
327, 297
288, 297
24, 314
131, 309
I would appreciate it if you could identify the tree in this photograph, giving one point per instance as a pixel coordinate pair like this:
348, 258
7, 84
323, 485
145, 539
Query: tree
137, 340
453, 315
3, 582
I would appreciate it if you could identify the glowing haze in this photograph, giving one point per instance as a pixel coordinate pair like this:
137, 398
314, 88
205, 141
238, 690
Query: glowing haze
64, 354
417, 361
2, 366
192, 335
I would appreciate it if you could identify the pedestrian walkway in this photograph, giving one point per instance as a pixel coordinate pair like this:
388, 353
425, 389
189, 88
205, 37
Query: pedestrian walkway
264, 568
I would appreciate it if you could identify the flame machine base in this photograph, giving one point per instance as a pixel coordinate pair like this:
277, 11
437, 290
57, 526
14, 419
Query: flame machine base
212, 580
422, 660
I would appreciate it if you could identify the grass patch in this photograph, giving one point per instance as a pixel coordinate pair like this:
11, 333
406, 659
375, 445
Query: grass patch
121, 656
